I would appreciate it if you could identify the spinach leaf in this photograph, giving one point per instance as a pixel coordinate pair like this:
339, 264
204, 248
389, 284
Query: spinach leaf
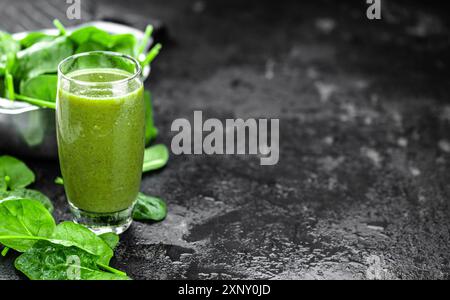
149, 208
35, 37
8, 49
43, 57
42, 87
155, 157
22, 222
24, 218
111, 239
124, 43
27, 194
47, 261
69, 233
90, 34
14, 173
150, 130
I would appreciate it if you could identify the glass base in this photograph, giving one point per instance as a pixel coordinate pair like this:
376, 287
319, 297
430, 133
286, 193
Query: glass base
99, 223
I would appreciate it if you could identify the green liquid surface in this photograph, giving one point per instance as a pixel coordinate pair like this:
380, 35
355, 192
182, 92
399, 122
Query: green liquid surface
101, 140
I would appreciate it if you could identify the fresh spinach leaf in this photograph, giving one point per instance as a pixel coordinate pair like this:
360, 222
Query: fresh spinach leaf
155, 157
20, 228
111, 239
149, 208
51, 251
24, 218
42, 87
14, 174
83, 238
35, 37
48, 261
124, 43
90, 34
43, 57
27, 194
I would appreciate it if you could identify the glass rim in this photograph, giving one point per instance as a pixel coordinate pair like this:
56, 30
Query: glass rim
133, 76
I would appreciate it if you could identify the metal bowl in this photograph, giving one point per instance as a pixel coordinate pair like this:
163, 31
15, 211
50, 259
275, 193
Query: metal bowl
28, 130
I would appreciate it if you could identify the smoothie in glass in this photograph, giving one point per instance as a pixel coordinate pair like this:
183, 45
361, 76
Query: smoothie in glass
101, 134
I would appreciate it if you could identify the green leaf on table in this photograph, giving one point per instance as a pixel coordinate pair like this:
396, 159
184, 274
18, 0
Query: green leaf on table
14, 174
24, 221
35, 37
149, 208
24, 218
111, 239
8, 49
155, 157
48, 261
27, 194
43, 57
42, 87
83, 238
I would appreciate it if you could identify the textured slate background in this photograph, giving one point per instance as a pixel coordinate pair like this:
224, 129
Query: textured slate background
362, 187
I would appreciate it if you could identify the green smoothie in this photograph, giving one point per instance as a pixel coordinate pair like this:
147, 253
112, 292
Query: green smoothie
101, 140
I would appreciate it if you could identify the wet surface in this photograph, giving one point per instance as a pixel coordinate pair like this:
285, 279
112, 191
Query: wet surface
361, 190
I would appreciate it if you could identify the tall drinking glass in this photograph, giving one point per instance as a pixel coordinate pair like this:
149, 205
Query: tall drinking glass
100, 118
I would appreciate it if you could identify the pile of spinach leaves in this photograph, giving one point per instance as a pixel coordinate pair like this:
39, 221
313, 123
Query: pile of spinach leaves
50, 251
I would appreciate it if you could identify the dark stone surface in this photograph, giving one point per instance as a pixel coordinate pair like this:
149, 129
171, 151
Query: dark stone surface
362, 186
